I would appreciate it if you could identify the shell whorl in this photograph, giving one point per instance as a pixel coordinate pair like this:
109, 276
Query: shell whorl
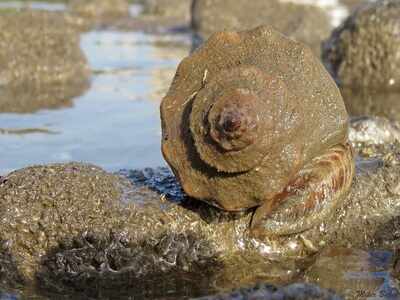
233, 118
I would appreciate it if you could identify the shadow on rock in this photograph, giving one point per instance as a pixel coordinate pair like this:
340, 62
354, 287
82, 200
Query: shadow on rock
163, 182
118, 267
10, 276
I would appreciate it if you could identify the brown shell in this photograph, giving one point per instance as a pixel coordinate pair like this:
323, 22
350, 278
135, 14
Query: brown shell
245, 113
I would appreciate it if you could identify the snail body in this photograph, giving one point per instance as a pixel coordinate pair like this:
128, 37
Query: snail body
246, 114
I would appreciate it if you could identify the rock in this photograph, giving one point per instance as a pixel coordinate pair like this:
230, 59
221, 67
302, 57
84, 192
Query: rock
362, 102
99, 10
352, 4
363, 51
40, 48
270, 292
42, 65
116, 266
178, 9
74, 228
43, 205
305, 23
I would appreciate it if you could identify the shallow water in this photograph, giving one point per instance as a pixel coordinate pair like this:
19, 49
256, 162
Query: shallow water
115, 124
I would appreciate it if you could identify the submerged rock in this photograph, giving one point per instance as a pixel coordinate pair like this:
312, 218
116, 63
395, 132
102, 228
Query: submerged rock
363, 51
305, 23
39, 48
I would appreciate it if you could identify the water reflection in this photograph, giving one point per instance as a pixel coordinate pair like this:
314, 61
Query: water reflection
113, 124
23, 99
33, 5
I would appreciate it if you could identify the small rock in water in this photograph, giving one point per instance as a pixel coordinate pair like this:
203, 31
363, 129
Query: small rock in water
41, 63
40, 48
178, 9
363, 51
96, 10
306, 23
365, 102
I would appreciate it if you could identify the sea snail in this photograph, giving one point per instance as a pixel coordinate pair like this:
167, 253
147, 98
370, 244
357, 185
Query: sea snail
253, 120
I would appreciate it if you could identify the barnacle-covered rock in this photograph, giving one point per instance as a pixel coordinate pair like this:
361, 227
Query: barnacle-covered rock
40, 48
99, 9
249, 119
306, 23
363, 51
43, 205
179, 9
366, 102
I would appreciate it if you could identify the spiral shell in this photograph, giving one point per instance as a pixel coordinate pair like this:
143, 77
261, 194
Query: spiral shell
245, 113
230, 121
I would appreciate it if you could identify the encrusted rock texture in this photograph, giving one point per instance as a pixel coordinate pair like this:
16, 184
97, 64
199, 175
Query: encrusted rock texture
73, 227
363, 51
40, 48
305, 23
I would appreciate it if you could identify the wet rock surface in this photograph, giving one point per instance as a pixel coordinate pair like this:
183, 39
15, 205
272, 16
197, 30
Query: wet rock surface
76, 229
305, 23
42, 205
107, 266
363, 51
39, 48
